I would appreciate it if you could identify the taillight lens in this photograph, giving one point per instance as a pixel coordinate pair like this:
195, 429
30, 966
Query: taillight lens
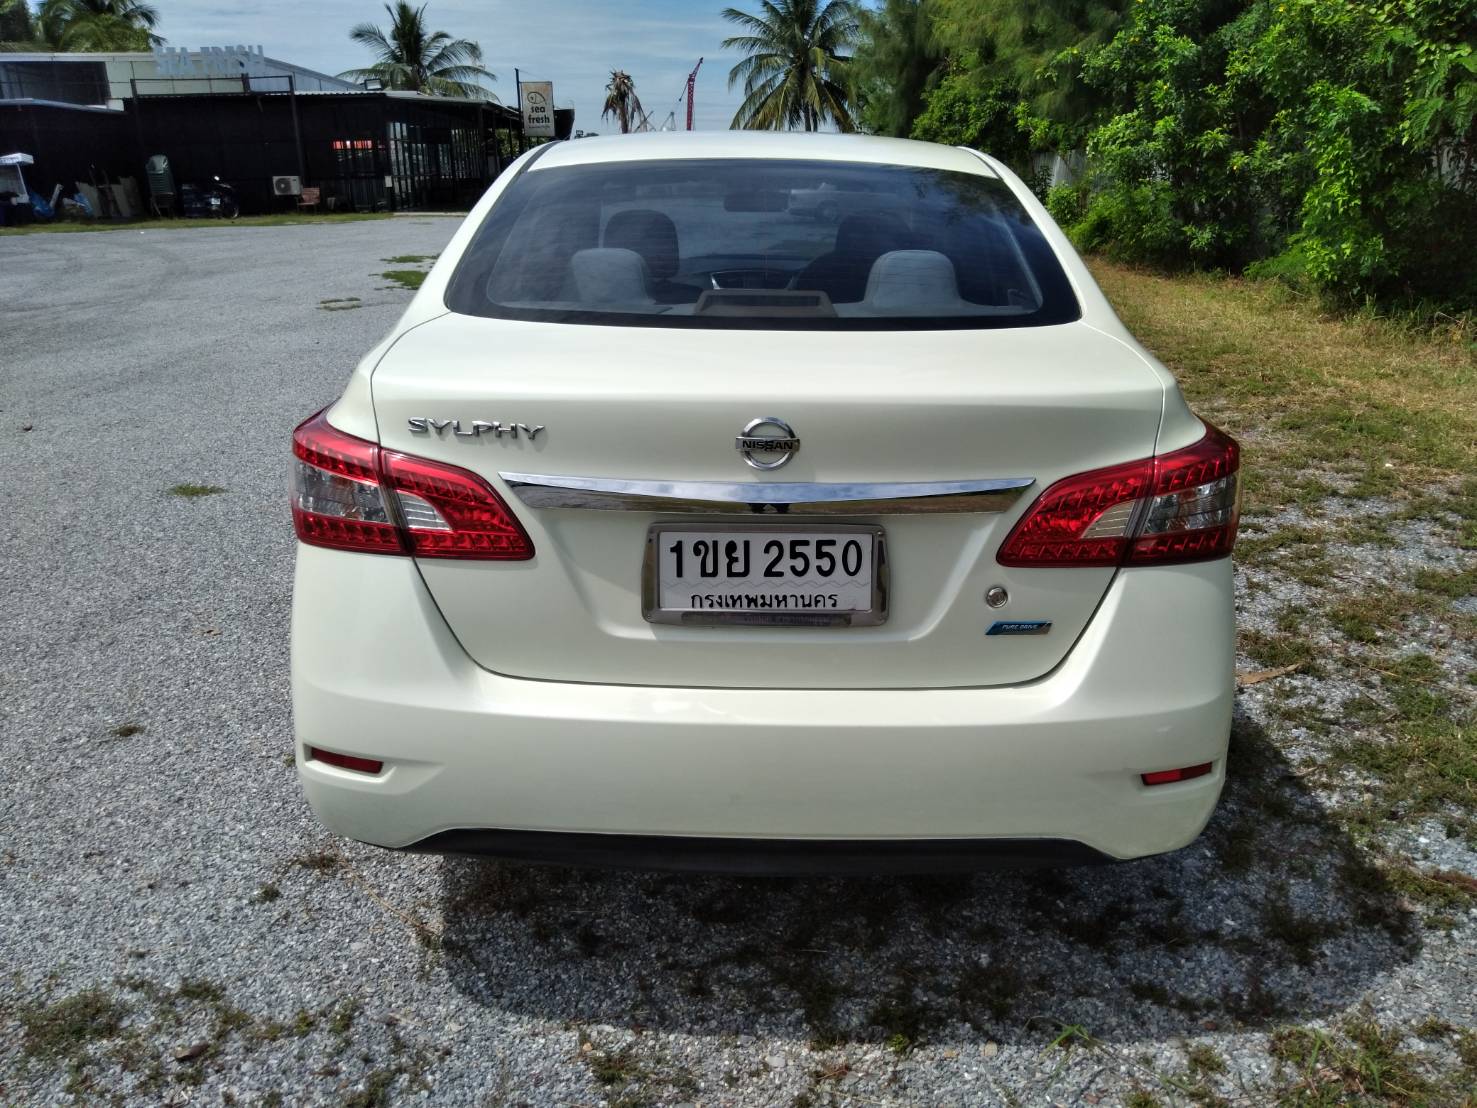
1178, 507
341, 492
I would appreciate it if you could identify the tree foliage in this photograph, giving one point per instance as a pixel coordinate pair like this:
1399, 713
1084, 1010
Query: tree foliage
66, 26
1331, 142
16, 27
897, 61
412, 57
794, 71
621, 102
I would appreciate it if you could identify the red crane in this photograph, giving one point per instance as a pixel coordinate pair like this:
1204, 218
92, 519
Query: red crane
691, 85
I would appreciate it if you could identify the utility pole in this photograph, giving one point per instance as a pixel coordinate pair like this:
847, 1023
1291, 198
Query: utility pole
691, 88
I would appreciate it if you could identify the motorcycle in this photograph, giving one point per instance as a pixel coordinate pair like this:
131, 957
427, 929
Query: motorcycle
216, 200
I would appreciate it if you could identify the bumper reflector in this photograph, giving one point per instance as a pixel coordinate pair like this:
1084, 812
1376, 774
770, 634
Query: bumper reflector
345, 761
1165, 776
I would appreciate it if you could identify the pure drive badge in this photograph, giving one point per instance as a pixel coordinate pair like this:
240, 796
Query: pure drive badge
1019, 627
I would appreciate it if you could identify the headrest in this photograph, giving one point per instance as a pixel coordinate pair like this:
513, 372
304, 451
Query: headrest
606, 276
913, 279
651, 234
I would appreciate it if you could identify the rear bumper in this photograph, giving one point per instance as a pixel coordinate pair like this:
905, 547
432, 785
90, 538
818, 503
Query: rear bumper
377, 673
763, 856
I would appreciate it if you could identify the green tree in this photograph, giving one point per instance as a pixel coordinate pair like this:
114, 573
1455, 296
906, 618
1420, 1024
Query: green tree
898, 59
621, 102
965, 109
795, 73
1038, 46
96, 25
16, 27
414, 58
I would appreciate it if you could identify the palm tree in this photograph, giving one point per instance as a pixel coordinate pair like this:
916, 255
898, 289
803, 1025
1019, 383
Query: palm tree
97, 25
621, 100
415, 59
795, 72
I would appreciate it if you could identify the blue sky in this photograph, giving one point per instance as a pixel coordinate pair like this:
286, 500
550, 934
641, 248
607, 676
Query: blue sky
574, 43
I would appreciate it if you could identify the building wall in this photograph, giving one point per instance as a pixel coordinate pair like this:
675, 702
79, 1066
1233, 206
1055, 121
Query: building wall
109, 79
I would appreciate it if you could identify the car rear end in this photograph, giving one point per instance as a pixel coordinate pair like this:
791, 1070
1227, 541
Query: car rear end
676, 524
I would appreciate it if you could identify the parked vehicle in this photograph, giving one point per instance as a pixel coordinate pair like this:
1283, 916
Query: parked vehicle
672, 527
216, 200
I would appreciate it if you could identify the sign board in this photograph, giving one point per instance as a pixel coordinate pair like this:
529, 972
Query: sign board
210, 61
538, 108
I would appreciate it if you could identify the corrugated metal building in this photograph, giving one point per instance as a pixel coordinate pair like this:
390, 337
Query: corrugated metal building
249, 120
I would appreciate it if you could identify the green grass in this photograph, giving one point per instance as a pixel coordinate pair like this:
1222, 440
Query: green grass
411, 259
1381, 408
405, 278
1358, 1063
281, 219
66, 1027
190, 492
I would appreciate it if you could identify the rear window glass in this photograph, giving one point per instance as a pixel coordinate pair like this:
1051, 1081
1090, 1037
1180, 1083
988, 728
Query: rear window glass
763, 244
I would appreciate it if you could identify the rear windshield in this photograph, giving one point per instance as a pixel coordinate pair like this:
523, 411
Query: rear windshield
767, 244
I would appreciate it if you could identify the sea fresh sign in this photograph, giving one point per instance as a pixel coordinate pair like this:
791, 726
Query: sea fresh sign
538, 108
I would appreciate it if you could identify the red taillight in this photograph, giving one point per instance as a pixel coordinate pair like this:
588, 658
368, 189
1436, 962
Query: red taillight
341, 497
1167, 776
345, 761
1177, 507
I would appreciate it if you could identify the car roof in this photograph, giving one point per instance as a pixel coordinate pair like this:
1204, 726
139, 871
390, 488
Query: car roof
663, 145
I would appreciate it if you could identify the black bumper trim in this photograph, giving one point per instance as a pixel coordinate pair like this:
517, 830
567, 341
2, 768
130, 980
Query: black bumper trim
762, 856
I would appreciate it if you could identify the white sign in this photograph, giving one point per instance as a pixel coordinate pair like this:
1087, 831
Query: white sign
538, 108
210, 61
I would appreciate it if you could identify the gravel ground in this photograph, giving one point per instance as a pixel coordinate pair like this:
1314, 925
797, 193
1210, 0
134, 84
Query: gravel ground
175, 928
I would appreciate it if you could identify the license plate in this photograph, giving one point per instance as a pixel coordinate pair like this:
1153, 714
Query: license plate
765, 575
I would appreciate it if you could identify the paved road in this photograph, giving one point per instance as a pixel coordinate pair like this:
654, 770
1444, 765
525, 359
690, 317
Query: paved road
175, 927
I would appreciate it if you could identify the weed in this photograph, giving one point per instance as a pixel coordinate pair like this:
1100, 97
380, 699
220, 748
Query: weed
614, 1067
342, 1020
1360, 1062
319, 861
268, 893
1276, 651
406, 278
128, 730
198, 988
1204, 1060
1452, 584
411, 259
65, 1027
192, 492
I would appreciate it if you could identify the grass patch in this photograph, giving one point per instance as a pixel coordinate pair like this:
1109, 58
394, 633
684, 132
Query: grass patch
281, 219
1276, 651
127, 730
319, 861
405, 278
1452, 584
67, 1027
1382, 407
340, 304
411, 259
1359, 1063
190, 492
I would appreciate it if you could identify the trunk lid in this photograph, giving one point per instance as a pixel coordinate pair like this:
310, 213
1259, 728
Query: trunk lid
656, 404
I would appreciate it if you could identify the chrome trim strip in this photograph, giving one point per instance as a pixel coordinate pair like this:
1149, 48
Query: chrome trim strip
540, 490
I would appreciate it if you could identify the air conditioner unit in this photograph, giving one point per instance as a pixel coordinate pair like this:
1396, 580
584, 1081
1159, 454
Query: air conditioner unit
287, 186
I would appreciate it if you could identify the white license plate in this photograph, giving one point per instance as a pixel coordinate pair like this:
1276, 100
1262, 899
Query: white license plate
765, 575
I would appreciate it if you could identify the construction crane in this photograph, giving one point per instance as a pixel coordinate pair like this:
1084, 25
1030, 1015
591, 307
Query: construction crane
691, 87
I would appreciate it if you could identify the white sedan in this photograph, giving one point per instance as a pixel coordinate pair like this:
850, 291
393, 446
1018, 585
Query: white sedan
678, 525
